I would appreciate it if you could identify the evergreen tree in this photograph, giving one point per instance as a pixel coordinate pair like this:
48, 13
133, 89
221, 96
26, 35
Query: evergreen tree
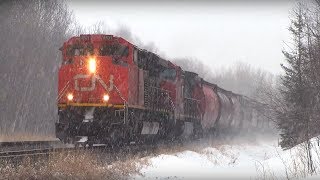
298, 88
294, 119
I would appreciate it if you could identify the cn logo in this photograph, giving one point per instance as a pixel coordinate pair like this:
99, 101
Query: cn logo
94, 79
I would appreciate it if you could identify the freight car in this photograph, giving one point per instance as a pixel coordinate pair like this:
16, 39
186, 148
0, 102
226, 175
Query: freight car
113, 92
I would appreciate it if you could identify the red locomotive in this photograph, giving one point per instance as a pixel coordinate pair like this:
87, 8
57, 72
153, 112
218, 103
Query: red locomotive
110, 91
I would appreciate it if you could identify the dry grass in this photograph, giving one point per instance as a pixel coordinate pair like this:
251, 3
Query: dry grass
86, 165
25, 137
75, 165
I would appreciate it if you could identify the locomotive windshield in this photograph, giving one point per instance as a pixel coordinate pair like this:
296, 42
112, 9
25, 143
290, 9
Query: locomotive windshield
105, 50
80, 50
114, 50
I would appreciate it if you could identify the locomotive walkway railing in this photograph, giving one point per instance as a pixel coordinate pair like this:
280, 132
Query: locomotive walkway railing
63, 91
125, 105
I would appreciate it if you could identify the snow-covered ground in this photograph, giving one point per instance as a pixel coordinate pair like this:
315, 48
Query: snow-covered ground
264, 160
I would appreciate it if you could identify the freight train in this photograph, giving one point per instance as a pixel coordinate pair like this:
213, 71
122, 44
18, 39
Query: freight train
112, 92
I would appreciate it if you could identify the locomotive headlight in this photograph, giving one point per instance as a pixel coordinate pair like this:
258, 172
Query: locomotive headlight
92, 65
106, 98
70, 97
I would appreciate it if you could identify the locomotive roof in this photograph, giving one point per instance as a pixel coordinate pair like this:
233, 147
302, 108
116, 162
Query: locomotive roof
95, 38
99, 37
161, 61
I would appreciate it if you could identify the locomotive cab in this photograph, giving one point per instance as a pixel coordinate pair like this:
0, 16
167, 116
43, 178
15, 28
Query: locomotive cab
93, 84
92, 68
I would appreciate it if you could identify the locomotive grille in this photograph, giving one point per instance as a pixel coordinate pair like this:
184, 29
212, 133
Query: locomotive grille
146, 93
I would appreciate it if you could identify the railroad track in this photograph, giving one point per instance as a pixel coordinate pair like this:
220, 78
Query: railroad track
24, 153
27, 145
43, 150
16, 151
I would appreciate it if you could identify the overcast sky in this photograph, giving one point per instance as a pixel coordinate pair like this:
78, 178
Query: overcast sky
216, 33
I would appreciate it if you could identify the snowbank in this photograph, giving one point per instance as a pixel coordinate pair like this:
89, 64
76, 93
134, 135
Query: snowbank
246, 161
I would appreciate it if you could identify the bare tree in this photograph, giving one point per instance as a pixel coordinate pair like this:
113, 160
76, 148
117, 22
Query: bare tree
32, 32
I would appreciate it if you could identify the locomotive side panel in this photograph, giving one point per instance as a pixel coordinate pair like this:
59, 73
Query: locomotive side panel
141, 88
133, 85
179, 106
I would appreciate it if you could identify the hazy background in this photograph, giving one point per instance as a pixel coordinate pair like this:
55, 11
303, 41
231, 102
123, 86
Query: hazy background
216, 33
225, 43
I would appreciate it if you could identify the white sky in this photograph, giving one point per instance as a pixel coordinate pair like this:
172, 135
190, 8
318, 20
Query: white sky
216, 33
